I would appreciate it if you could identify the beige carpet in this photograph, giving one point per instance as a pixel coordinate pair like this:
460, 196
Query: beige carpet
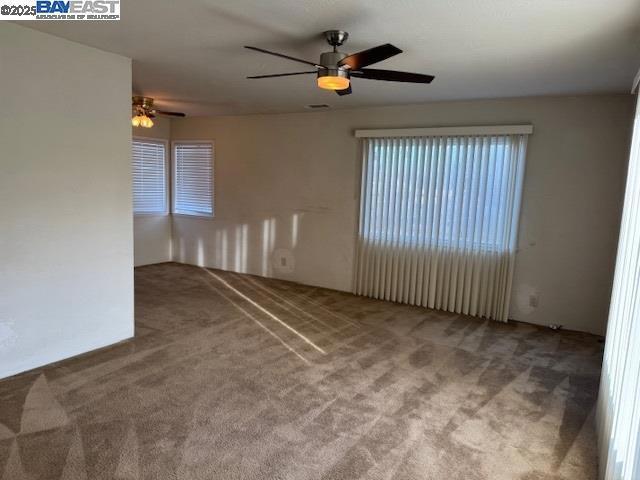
238, 377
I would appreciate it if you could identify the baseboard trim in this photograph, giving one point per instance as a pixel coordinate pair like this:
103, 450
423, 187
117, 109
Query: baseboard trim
46, 360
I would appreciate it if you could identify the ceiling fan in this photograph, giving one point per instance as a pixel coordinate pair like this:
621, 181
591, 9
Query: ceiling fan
144, 111
335, 69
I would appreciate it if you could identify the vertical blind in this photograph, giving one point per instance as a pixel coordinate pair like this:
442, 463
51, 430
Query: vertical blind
619, 401
439, 220
193, 178
149, 176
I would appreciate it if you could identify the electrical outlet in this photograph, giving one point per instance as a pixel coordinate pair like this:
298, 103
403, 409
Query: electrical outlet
283, 260
534, 300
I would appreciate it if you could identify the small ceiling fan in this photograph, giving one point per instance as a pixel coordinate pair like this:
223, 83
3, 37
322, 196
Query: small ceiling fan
144, 111
335, 69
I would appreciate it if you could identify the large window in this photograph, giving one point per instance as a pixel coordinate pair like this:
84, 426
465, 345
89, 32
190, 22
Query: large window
149, 176
439, 218
193, 178
439, 191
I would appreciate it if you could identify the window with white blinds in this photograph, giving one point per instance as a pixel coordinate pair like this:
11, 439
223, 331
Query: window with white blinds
149, 176
438, 220
193, 178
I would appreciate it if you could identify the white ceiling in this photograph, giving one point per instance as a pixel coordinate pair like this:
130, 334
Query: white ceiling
188, 54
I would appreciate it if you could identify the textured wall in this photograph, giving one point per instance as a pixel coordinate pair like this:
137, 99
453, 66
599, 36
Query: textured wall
66, 242
288, 185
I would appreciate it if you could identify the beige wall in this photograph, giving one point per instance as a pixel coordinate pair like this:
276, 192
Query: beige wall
289, 184
66, 243
152, 233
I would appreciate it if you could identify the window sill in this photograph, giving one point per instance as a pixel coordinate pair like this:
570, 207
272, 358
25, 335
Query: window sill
188, 215
150, 215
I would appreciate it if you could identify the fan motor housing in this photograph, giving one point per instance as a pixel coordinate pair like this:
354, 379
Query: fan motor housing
144, 102
331, 59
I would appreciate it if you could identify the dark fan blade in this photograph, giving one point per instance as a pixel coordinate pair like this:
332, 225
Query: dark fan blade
346, 91
282, 74
172, 114
283, 56
369, 57
392, 76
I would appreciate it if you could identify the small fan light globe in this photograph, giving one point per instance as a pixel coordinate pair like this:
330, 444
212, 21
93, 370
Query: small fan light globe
333, 82
146, 122
141, 121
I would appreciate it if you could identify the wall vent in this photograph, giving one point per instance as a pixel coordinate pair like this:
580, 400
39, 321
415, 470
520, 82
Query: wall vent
317, 106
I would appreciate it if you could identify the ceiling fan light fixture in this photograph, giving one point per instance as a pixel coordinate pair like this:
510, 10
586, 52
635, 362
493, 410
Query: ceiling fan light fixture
330, 79
335, 68
146, 122
143, 111
141, 121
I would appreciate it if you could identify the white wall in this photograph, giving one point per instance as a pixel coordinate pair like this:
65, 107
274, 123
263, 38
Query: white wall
152, 233
274, 172
66, 240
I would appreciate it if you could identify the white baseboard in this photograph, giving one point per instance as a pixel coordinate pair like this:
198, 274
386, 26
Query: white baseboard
47, 358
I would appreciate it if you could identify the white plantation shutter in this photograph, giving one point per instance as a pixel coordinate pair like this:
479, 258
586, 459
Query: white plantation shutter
193, 178
149, 176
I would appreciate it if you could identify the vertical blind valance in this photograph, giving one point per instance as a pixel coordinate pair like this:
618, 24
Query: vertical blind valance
193, 178
438, 220
149, 176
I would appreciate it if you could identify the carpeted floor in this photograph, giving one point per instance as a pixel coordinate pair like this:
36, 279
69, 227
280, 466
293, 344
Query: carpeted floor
239, 377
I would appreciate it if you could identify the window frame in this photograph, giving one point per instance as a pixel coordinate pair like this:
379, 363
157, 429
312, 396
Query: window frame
174, 165
167, 177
